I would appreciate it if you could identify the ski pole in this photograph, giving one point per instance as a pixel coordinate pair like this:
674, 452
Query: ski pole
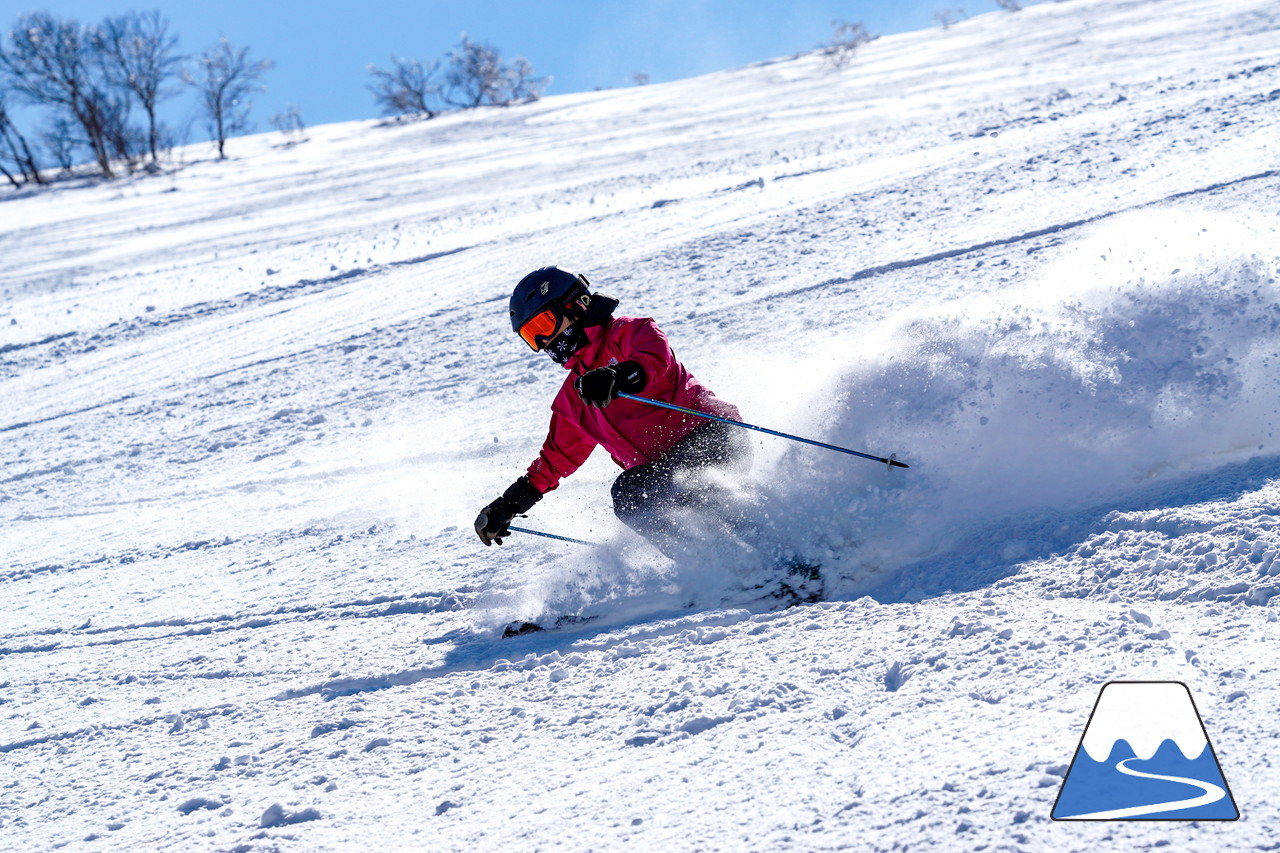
890, 461
515, 529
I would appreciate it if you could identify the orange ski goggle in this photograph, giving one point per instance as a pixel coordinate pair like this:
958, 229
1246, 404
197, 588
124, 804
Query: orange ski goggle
538, 329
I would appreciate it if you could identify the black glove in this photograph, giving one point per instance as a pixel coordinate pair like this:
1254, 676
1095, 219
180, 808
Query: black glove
519, 498
601, 386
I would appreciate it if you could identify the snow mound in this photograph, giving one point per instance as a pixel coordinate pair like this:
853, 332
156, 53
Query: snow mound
1162, 361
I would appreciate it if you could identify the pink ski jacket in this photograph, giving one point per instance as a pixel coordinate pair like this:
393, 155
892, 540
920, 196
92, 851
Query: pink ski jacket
633, 433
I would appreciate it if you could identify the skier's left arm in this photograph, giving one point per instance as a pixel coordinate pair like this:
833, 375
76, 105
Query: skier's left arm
563, 452
519, 498
566, 447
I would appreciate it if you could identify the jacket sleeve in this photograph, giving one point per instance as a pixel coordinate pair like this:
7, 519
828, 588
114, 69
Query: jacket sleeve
645, 344
666, 378
564, 451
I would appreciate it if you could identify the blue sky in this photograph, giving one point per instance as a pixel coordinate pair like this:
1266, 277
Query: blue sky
321, 50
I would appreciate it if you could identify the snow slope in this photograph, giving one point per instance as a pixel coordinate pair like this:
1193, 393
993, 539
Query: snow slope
250, 411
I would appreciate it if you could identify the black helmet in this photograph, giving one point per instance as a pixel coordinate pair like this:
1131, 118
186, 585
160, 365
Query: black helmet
549, 288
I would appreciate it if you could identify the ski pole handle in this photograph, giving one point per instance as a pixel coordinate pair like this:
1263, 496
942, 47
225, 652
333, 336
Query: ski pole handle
891, 462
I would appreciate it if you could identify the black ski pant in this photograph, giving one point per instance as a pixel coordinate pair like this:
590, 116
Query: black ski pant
648, 498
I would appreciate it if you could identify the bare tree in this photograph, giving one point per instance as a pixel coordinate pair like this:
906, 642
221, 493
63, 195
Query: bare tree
138, 54
523, 84
846, 38
124, 141
946, 17
640, 78
477, 76
60, 141
52, 62
408, 88
225, 79
15, 152
290, 125
1009, 5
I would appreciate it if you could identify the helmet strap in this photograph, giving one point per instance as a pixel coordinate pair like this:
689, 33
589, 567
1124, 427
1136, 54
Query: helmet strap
575, 308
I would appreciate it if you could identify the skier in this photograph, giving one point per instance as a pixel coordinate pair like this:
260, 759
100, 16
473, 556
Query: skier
668, 458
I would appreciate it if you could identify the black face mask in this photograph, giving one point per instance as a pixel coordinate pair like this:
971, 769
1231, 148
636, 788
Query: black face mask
572, 339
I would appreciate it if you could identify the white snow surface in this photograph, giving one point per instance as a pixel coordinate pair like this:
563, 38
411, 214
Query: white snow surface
250, 410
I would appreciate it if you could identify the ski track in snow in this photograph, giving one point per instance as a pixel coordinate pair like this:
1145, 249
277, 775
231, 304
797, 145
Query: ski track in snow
251, 410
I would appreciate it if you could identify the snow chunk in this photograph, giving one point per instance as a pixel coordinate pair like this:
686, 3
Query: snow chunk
1140, 618
276, 815
197, 803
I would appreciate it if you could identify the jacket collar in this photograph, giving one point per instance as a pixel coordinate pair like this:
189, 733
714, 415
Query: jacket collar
587, 355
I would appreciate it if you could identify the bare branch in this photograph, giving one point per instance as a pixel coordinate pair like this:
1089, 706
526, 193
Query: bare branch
14, 150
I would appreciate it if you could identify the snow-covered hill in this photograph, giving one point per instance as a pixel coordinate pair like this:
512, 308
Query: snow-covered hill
250, 411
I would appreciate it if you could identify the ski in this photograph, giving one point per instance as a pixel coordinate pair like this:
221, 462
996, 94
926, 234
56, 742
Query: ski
524, 627
800, 582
